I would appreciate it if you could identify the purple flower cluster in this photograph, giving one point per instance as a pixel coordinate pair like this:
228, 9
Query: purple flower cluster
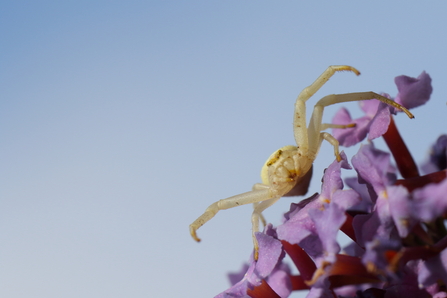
397, 226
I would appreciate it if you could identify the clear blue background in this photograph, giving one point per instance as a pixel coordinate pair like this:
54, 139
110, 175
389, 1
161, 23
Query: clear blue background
121, 121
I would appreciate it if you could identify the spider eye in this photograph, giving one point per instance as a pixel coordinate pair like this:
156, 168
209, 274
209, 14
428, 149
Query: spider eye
275, 158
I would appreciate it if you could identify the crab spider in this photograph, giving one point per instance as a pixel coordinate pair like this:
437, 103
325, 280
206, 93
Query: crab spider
290, 167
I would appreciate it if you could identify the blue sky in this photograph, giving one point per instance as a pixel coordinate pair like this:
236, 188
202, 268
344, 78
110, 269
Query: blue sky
121, 121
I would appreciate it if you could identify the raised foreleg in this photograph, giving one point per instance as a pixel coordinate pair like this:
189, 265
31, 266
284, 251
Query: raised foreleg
316, 126
299, 120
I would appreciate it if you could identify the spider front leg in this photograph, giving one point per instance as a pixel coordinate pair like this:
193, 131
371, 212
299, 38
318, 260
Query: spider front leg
254, 196
315, 126
299, 120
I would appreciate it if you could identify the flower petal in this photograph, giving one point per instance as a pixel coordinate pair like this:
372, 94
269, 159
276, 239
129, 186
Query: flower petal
413, 92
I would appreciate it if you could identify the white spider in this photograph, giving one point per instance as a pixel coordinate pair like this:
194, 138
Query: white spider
285, 170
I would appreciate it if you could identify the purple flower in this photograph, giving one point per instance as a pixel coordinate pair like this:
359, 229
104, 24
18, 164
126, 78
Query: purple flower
430, 202
434, 269
268, 267
238, 276
303, 222
379, 223
375, 122
401, 209
365, 204
379, 252
332, 188
314, 224
413, 92
393, 209
327, 223
438, 156
374, 169
300, 229
398, 227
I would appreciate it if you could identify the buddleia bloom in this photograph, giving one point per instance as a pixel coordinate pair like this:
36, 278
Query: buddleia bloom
394, 216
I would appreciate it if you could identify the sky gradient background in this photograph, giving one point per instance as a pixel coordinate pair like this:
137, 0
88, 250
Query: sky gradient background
121, 121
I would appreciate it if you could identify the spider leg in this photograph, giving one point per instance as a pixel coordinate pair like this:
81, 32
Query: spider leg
261, 216
259, 186
309, 91
257, 214
325, 126
333, 141
315, 125
299, 120
358, 96
234, 201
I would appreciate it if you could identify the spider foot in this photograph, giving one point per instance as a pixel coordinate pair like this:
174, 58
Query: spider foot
256, 253
346, 68
338, 157
193, 233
